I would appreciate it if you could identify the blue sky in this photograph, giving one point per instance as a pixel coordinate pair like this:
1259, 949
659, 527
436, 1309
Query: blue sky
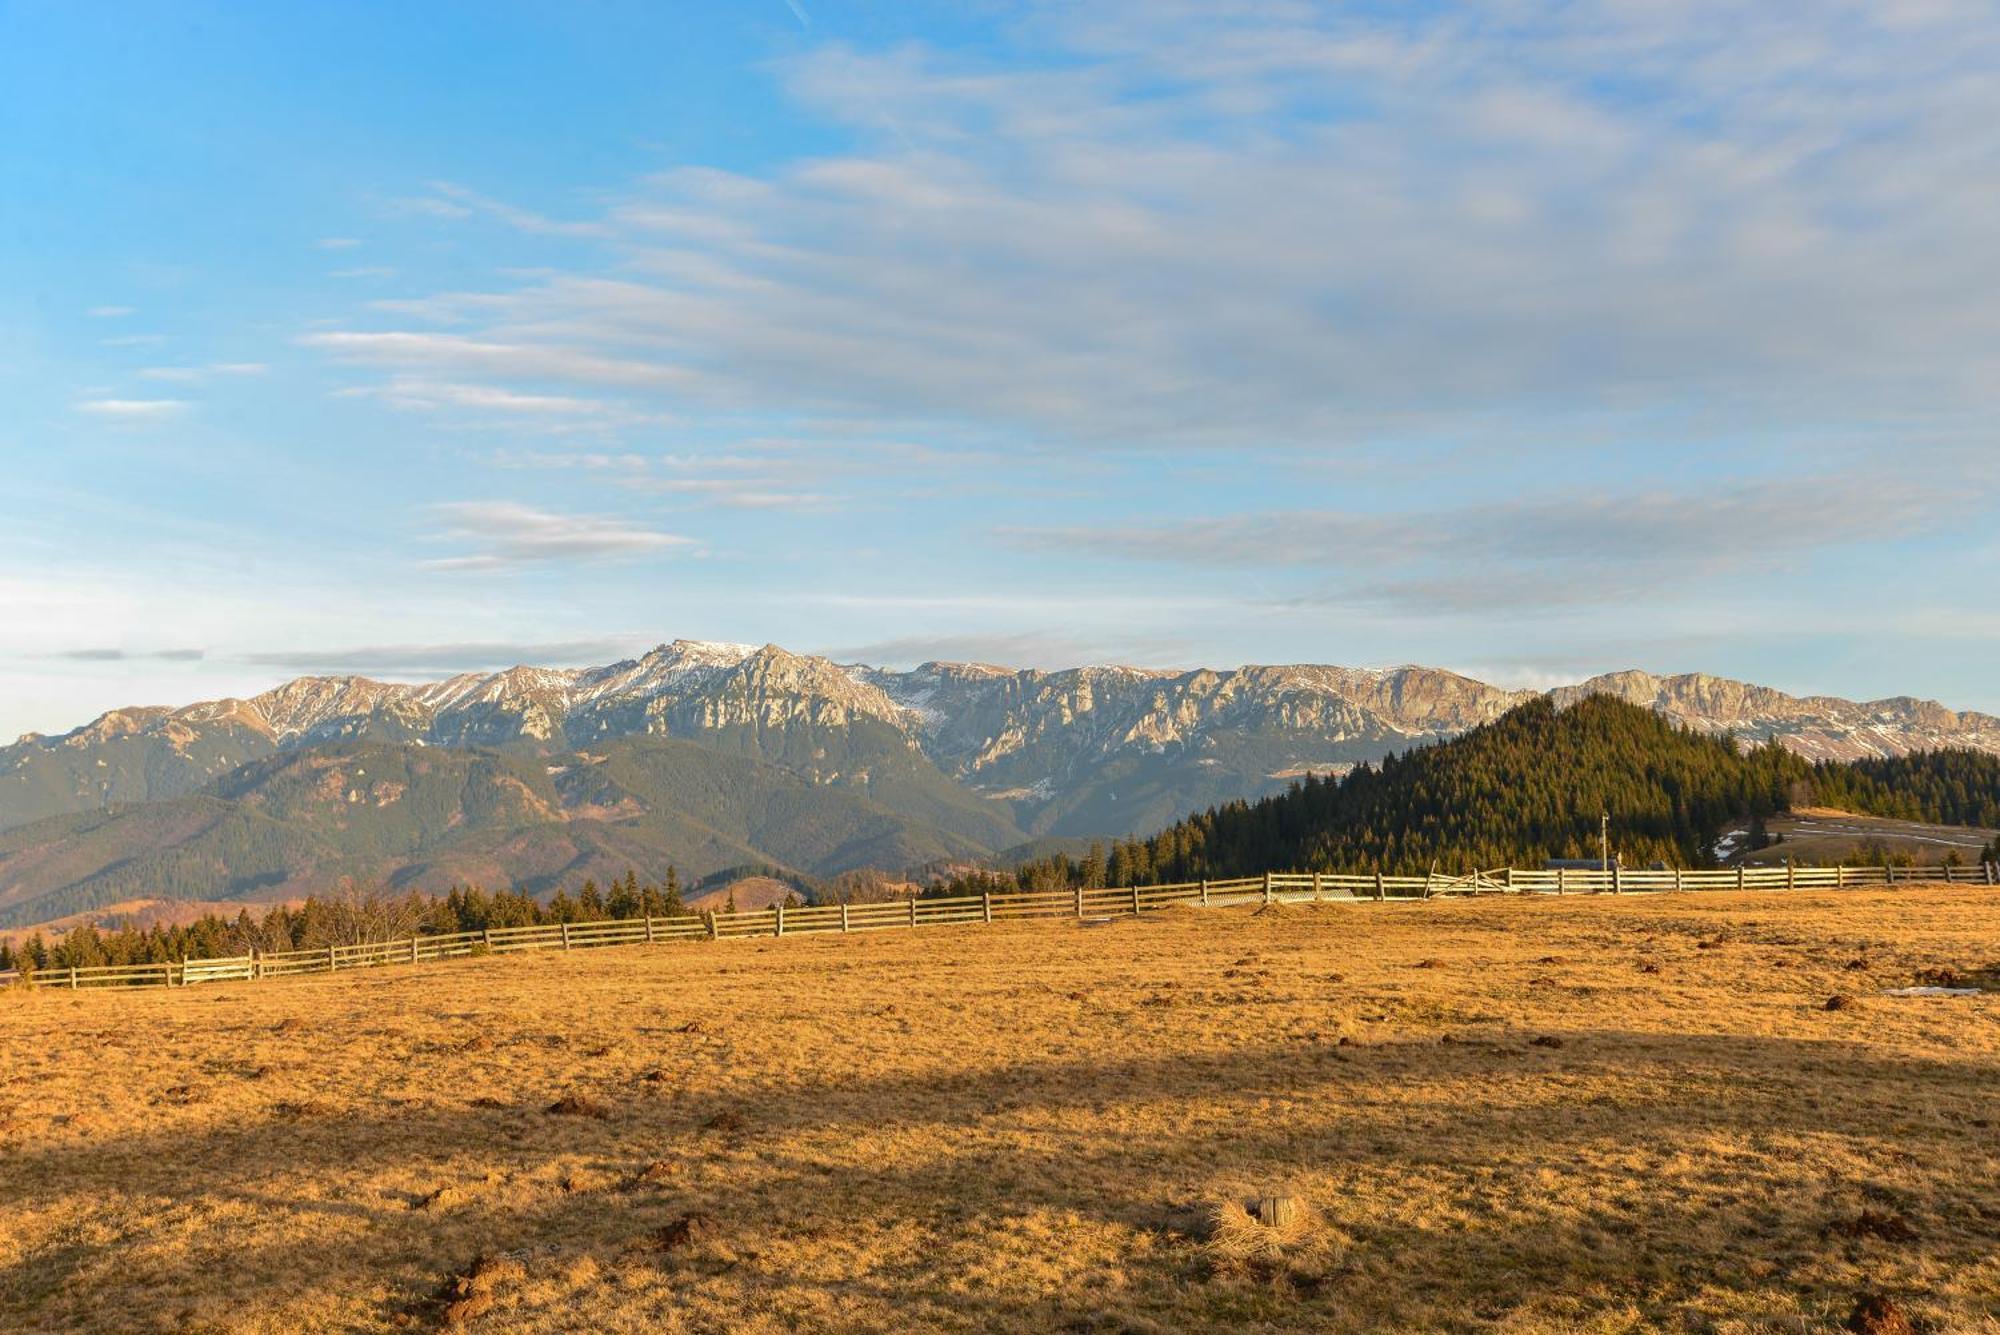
1527, 340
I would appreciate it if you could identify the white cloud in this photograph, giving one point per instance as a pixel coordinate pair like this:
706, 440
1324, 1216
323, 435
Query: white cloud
432, 395
533, 361
337, 242
1550, 551
1291, 224
505, 535
455, 656
195, 374
110, 312
136, 410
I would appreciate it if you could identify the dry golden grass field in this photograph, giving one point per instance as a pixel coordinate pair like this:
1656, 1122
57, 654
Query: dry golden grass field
1587, 1114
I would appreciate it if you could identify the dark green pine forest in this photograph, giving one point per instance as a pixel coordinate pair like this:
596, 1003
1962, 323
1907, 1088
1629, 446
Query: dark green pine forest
1531, 785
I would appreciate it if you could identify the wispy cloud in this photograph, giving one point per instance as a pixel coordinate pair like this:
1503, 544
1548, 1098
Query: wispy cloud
1552, 551
129, 655
134, 410
1022, 649
505, 535
110, 312
457, 656
433, 395
524, 360
337, 242
1172, 227
196, 374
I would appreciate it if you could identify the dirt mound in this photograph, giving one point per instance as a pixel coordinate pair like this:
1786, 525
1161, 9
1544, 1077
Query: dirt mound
1840, 1001
1878, 1314
472, 1294
689, 1230
578, 1105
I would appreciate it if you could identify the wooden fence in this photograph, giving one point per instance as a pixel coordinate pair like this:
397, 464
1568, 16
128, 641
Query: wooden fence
1270, 888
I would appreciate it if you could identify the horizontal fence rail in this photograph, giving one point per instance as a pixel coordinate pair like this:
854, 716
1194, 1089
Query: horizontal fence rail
1269, 888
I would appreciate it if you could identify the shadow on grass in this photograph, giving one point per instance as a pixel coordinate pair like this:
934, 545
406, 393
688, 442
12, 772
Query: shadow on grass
1448, 1213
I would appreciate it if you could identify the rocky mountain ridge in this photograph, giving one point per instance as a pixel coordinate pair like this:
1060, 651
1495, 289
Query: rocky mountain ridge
1088, 750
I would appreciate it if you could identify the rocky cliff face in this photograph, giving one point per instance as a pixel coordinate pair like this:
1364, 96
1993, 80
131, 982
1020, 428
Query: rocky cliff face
1097, 750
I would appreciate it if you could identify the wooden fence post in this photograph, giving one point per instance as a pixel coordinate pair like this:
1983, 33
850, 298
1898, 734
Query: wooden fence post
714, 932
913, 910
1267, 887
1790, 879
1559, 881
1079, 901
332, 964
781, 920
486, 938
413, 949
1840, 875
649, 929
1991, 868
1379, 894
1135, 901
1677, 878
843, 915
1739, 876
1617, 883
1317, 896
1204, 892
72, 978
256, 964
565, 935
985, 905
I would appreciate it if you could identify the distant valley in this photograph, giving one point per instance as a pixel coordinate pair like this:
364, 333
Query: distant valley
710, 755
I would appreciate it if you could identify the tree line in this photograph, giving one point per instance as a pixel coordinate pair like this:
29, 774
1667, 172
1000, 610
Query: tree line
353, 916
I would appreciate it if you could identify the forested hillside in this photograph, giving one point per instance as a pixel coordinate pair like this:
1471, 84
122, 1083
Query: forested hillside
1533, 785
1955, 787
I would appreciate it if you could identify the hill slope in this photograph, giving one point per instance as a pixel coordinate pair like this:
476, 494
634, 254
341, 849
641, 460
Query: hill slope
1535, 784
427, 817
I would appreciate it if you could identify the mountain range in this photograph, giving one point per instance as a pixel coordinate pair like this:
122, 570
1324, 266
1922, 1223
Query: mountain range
711, 755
